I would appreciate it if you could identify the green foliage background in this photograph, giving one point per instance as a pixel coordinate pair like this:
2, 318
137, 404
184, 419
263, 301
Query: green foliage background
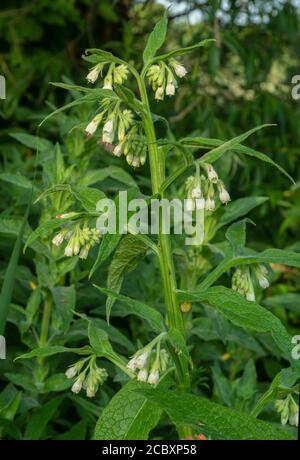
242, 82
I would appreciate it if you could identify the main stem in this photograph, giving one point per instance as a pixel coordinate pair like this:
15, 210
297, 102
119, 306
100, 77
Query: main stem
45, 321
174, 315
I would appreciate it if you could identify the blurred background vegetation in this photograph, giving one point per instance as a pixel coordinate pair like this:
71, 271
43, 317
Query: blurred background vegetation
242, 82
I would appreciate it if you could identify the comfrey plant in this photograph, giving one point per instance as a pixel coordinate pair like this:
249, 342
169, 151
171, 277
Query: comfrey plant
163, 370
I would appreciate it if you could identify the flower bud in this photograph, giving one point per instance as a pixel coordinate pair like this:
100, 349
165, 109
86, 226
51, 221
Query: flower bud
78, 384
210, 204
117, 150
170, 89
179, 69
58, 239
132, 364
159, 93
211, 174
71, 372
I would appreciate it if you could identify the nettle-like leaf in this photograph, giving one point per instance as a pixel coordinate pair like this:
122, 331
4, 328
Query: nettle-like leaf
125, 260
156, 39
212, 419
64, 300
129, 415
88, 197
243, 313
236, 235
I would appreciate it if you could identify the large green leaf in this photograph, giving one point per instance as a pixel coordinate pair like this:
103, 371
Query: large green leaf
37, 424
211, 418
129, 415
136, 307
205, 143
156, 39
124, 261
243, 313
182, 51
239, 208
33, 142
248, 256
65, 300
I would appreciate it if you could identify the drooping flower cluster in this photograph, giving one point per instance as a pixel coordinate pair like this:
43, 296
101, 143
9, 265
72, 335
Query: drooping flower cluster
116, 74
288, 410
162, 77
120, 131
89, 378
79, 240
242, 280
201, 190
149, 363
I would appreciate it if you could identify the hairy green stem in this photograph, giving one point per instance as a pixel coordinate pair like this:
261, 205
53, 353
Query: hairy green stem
174, 315
45, 321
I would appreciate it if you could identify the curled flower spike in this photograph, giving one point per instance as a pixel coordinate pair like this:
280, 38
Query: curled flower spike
149, 362
80, 240
120, 74
89, 379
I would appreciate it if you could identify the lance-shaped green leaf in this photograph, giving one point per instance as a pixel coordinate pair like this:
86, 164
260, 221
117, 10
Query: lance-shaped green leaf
138, 308
248, 256
239, 208
33, 142
93, 96
212, 419
283, 381
205, 143
243, 313
43, 352
216, 153
124, 261
129, 415
156, 39
182, 51
37, 424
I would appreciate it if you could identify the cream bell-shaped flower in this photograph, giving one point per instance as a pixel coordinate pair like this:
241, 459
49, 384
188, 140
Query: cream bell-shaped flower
142, 359
142, 375
94, 73
153, 377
